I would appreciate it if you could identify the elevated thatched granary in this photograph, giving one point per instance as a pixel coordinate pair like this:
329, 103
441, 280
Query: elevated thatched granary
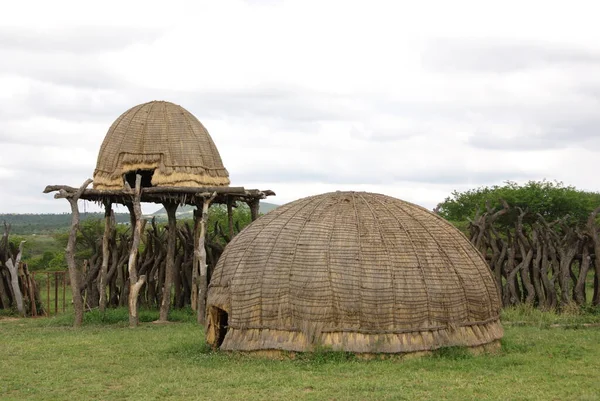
165, 143
156, 152
358, 272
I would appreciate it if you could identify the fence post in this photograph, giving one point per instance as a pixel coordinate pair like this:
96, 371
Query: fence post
32, 291
60, 278
48, 293
55, 293
64, 282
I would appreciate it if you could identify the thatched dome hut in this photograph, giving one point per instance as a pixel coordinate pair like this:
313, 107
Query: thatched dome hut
164, 143
354, 271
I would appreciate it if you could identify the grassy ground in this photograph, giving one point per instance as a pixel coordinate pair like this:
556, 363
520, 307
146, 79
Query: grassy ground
47, 359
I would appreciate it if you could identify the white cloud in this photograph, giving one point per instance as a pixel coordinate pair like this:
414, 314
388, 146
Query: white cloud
411, 99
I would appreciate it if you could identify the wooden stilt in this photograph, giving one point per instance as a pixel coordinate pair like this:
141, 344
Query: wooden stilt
196, 258
230, 217
165, 304
70, 251
254, 205
108, 219
201, 260
135, 283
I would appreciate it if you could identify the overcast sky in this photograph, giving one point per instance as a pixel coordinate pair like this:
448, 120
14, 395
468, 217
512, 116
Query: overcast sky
410, 99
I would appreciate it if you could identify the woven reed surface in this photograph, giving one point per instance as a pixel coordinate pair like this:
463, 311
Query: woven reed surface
164, 136
353, 262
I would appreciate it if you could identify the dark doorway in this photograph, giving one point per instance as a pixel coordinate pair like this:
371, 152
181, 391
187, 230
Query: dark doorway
221, 324
146, 178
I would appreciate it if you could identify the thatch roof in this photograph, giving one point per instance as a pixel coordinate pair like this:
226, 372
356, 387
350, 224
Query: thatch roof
163, 137
356, 271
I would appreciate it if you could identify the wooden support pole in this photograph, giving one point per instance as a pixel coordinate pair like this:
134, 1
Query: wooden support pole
70, 253
165, 304
135, 283
230, 216
108, 219
254, 205
196, 258
200, 259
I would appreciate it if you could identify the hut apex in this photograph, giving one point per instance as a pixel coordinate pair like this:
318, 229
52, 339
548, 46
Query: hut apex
165, 144
354, 271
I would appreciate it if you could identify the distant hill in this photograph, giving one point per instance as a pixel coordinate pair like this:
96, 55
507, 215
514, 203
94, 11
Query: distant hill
24, 224
266, 207
187, 211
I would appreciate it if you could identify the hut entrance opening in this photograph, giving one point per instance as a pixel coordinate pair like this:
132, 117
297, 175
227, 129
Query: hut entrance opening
146, 177
220, 322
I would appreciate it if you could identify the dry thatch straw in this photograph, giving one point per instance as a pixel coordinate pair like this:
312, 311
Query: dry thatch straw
353, 271
163, 137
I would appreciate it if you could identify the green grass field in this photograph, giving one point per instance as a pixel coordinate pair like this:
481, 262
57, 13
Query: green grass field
47, 359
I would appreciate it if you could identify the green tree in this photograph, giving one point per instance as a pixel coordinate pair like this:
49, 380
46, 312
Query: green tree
218, 219
89, 240
550, 199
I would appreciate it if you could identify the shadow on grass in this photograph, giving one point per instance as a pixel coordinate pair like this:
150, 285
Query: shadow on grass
323, 355
197, 350
451, 353
193, 349
118, 317
512, 347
